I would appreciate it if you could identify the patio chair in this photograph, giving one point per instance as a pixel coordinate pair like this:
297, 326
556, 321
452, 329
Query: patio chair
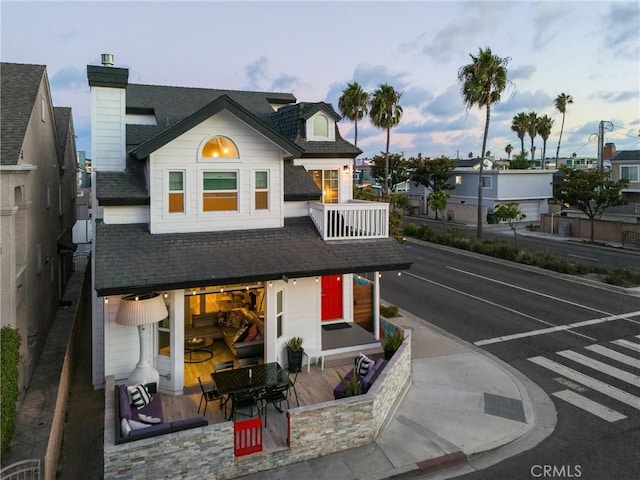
211, 396
249, 362
293, 384
242, 402
221, 366
275, 396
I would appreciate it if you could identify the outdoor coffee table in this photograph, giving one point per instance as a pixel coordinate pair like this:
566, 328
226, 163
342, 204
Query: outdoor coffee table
199, 345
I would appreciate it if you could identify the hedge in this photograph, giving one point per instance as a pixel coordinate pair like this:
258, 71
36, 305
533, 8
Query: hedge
10, 357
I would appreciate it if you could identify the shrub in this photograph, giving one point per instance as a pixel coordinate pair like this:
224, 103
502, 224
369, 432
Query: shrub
389, 311
9, 360
622, 277
392, 342
352, 387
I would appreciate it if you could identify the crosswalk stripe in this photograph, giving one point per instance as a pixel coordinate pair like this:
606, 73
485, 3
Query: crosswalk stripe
628, 344
601, 367
589, 405
590, 382
615, 355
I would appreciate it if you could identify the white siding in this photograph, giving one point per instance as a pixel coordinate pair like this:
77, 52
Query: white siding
256, 153
132, 214
296, 209
108, 128
122, 344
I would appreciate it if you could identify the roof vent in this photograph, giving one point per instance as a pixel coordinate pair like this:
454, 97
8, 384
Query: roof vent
107, 60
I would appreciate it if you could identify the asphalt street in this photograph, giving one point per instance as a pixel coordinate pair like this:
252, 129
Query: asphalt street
578, 340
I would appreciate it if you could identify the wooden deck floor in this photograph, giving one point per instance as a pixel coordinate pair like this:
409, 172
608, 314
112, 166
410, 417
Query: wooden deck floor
314, 387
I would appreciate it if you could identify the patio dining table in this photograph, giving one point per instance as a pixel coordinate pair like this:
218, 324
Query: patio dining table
257, 377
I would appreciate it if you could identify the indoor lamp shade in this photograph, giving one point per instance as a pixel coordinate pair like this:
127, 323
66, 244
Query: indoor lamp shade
140, 311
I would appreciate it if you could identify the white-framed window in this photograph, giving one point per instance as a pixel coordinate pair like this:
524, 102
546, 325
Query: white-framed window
43, 109
486, 181
458, 179
629, 172
327, 181
279, 314
176, 191
219, 147
320, 128
219, 191
261, 190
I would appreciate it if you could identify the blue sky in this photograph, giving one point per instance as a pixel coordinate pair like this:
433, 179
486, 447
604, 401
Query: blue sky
590, 50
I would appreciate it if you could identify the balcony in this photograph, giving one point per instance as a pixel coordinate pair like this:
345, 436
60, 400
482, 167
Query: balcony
357, 219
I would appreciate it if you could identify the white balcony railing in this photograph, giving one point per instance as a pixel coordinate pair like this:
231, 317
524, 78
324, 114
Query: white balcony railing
348, 221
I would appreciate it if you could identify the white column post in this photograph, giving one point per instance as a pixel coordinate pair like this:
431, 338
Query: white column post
376, 305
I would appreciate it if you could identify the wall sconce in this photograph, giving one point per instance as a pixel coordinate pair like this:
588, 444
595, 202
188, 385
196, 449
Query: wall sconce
345, 169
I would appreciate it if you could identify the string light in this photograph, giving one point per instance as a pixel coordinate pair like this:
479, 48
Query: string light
166, 295
399, 274
106, 299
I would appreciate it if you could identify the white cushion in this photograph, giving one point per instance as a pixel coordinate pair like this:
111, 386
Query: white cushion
139, 395
125, 428
362, 364
137, 425
148, 419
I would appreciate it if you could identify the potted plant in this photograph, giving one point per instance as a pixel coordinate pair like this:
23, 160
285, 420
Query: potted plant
352, 387
391, 343
294, 353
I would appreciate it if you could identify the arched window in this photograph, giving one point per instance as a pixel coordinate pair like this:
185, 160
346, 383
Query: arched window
320, 126
219, 147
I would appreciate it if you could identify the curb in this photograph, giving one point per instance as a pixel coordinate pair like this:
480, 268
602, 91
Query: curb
441, 463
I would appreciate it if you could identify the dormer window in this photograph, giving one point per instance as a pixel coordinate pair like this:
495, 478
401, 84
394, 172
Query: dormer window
219, 147
320, 128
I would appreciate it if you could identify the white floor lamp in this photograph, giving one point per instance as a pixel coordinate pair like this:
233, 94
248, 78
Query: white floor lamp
140, 311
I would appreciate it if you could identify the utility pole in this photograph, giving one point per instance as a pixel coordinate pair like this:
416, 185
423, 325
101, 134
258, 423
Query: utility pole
604, 124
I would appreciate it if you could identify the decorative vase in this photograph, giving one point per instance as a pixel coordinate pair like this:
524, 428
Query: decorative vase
294, 358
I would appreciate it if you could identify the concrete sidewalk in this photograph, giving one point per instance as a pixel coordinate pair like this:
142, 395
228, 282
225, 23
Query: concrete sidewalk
464, 410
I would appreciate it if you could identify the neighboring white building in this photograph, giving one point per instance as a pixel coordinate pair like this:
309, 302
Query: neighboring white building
219, 198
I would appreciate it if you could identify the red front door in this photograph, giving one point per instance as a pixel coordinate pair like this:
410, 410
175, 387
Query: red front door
331, 297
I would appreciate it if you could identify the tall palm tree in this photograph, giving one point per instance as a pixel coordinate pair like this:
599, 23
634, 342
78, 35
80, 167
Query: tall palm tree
481, 83
561, 103
545, 123
354, 105
532, 130
508, 149
519, 125
386, 113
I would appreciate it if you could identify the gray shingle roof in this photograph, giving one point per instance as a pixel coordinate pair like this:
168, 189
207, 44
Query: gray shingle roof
186, 260
627, 156
123, 188
290, 121
63, 124
20, 84
298, 184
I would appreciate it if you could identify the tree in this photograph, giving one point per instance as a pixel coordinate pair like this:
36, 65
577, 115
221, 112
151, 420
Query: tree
354, 105
545, 123
508, 149
386, 113
438, 201
590, 191
481, 83
520, 162
470, 155
433, 174
392, 166
532, 130
519, 125
561, 103
509, 212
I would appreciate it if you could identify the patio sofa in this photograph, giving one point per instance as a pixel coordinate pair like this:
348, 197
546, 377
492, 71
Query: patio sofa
130, 413
227, 326
365, 382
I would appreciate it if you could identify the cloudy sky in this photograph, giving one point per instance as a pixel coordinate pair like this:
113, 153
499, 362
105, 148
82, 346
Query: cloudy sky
590, 50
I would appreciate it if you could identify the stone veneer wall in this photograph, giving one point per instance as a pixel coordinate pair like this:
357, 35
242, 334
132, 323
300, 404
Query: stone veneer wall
207, 452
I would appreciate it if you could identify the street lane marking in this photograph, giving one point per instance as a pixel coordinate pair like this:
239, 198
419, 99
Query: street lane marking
590, 382
614, 355
497, 305
583, 257
589, 405
530, 291
558, 328
628, 344
601, 367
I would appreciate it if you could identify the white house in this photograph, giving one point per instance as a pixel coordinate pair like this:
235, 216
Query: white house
223, 201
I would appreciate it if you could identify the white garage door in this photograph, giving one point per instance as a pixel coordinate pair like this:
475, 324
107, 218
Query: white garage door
531, 210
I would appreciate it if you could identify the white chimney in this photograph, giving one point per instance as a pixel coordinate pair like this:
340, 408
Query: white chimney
107, 60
